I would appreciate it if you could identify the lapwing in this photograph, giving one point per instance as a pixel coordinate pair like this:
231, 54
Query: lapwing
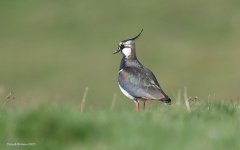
136, 81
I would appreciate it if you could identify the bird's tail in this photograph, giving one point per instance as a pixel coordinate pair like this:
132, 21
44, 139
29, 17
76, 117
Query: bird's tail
166, 100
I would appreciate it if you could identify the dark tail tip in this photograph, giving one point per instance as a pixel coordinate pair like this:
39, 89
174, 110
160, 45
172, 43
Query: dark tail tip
166, 100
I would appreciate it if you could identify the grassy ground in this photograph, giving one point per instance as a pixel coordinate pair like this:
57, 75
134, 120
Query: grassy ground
209, 126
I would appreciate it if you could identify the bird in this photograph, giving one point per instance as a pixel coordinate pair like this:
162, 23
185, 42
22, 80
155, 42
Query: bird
135, 80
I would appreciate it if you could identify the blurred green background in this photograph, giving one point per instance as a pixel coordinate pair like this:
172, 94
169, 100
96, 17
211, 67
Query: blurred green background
53, 50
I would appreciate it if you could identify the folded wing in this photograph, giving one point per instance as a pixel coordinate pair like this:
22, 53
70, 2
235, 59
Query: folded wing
140, 83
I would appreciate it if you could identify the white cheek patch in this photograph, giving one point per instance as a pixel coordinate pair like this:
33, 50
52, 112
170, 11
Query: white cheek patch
128, 42
127, 51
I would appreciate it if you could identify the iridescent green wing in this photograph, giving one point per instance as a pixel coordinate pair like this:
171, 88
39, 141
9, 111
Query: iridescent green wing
140, 83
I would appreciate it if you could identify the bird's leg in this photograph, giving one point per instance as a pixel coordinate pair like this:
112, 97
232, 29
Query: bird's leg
136, 105
144, 102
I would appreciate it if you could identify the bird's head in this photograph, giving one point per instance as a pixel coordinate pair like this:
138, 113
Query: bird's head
127, 47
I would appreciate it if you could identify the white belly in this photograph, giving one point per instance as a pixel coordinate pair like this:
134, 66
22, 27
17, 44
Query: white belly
126, 93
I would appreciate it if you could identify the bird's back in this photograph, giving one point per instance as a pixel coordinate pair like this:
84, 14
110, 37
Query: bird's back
140, 82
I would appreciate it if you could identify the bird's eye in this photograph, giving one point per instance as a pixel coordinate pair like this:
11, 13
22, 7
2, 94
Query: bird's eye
121, 46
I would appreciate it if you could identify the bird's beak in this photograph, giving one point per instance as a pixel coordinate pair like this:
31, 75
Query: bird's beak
117, 51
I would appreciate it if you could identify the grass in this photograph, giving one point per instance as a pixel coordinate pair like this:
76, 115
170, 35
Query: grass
212, 125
